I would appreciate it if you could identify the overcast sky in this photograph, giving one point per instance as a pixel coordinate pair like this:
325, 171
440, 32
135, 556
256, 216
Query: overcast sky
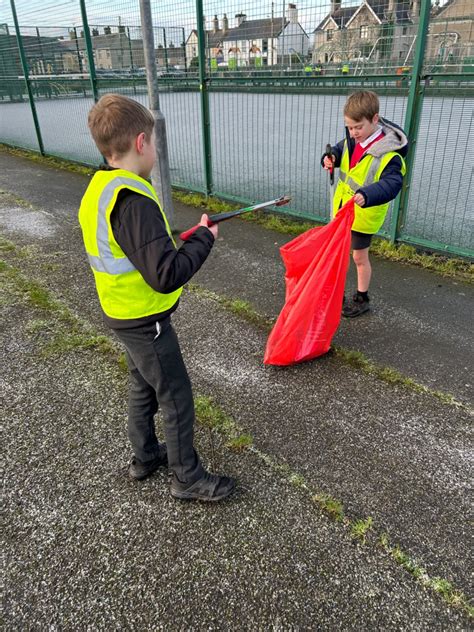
165, 12
180, 13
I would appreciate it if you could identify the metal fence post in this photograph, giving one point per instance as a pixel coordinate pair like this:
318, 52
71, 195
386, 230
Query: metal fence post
203, 81
161, 172
90, 51
165, 50
132, 68
184, 52
412, 120
24, 65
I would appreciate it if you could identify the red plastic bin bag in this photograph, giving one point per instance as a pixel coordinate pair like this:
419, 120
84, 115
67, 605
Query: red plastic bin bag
316, 264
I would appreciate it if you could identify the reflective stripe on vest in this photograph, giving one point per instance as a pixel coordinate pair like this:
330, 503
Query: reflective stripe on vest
106, 262
123, 292
369, 177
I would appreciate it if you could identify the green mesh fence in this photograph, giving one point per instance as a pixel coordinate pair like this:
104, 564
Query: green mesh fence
274, 79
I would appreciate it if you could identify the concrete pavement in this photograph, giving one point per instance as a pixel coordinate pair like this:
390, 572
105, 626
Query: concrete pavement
387, 452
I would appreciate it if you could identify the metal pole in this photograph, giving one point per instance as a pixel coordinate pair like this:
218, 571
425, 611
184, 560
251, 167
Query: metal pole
184, 52
165, 50
161, 172
79, 59
79, 62
132, 68
24, 65
89, 49
41, 51
412, 120
203, 81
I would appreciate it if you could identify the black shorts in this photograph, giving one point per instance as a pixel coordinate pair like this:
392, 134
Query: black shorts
359, 241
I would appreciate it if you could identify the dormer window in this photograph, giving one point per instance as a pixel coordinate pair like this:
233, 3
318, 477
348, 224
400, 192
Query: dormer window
364, 31
329, 35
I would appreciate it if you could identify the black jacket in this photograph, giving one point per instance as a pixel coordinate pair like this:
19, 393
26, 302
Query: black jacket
391, 179
140, 231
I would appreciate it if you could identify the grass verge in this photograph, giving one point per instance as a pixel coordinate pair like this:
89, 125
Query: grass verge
51, 161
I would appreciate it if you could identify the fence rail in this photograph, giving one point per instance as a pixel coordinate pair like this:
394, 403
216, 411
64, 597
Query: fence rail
251, 101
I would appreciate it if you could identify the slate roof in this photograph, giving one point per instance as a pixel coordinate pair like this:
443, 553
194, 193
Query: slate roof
380, 7
248, 30
253, 29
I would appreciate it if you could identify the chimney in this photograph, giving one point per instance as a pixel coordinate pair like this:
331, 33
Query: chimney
215, 24
335, 5
415, 10
225, 23
292, 14
390, 13
240, 18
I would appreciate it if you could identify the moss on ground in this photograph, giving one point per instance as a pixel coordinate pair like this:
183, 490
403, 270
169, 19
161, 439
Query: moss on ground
51, 161
82, 336
355, 359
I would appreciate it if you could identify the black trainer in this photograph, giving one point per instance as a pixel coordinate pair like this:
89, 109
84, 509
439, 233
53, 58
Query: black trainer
357, 306
208, 488
139, 470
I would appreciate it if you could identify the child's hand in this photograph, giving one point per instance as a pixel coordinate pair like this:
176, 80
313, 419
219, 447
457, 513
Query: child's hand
329, 162
359, 199
205, 222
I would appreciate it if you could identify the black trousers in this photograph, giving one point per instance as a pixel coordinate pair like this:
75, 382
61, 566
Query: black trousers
158, 377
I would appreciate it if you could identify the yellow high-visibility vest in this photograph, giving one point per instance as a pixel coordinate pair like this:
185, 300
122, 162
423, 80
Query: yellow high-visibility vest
123, 292
367, 219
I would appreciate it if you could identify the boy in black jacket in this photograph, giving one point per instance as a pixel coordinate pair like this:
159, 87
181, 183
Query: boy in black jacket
139, 275
371, 166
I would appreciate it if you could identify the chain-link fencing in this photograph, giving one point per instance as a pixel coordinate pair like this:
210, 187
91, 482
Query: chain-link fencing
249, 113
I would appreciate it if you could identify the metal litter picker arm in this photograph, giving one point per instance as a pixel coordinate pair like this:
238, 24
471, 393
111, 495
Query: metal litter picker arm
220, 217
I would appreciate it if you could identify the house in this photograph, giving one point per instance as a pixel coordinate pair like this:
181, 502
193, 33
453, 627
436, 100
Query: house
43, 55
381, 31
451, 36
263, 42
112, 51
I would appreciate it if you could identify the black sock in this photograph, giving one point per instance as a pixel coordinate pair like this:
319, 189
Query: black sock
363, 295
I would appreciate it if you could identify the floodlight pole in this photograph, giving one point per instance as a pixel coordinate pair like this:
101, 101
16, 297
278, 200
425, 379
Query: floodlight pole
160, 175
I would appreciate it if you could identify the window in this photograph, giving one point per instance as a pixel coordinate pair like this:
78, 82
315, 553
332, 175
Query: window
404, 30
329, 35
364, 31
264, 46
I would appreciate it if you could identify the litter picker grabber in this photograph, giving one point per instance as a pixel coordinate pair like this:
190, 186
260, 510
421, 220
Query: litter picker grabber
331, 176
331, 169
220, 217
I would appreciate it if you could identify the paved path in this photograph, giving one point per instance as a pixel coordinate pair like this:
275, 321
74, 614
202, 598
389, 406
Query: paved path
268, 557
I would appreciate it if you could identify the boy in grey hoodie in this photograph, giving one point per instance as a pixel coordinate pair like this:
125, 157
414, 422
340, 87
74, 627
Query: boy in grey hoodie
371, 164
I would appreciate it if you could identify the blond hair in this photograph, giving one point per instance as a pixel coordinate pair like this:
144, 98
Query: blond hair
115, 121
362, 104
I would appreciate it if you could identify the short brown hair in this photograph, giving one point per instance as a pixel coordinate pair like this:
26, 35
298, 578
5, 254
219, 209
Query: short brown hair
115, 121
362, 104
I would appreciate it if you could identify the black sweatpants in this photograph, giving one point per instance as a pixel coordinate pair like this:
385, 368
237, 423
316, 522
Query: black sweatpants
158, 377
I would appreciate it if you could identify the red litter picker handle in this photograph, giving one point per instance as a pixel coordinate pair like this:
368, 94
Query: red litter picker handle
220, 217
